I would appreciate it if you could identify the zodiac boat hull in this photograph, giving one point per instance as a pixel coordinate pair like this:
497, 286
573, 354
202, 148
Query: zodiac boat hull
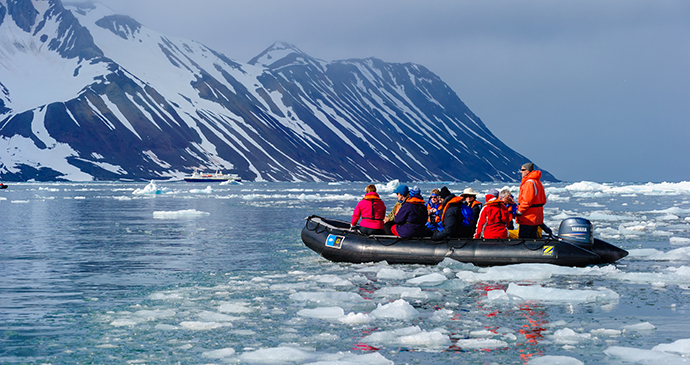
333, 240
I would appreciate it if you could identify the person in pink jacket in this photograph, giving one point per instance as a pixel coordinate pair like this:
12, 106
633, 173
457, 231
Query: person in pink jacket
372, 210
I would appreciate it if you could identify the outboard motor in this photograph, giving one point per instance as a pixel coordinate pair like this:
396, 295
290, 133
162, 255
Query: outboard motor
578, 231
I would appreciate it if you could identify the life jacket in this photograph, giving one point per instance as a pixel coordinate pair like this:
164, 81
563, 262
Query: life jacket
414, 200
433, 216
466, 212
373, 198
493, 220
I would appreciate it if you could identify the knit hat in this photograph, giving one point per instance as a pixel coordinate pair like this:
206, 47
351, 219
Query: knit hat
444, 193
402, 190
528, 166
491, 194
416, 192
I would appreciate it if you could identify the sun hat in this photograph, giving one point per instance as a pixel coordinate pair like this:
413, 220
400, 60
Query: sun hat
468, 191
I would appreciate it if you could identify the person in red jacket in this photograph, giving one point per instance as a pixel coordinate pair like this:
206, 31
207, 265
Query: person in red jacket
372, 210
531, 200
494, 217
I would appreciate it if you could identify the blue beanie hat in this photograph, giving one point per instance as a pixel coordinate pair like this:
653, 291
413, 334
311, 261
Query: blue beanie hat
416, 192
402, 190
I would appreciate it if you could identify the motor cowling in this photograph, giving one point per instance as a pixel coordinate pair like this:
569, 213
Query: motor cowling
577, 230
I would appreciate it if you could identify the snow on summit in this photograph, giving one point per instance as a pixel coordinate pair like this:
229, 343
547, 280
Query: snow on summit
130, 102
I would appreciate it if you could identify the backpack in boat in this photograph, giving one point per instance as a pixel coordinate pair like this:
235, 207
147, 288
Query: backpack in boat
467, 215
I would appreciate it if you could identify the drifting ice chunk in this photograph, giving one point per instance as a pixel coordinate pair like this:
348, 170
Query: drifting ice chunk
208, 190
322, 313
237, 307
356, 318
411, 337
219, 354
392, 274
151, 189
640, 327
555, 360
406, 292
428, 280
680, 347
480, 343
569, 337
188, 213
400, 309
680, 241
192, 325
641, 356
277, 355
329, 297
562, 295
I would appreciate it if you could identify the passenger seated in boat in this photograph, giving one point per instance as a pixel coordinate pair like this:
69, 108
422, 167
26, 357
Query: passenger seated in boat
402, 192
433, 208
372, 210
412, 216
495, 216
457, 217
470, 197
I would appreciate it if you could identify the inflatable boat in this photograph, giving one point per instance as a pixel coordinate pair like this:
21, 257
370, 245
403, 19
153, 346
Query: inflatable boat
573, 246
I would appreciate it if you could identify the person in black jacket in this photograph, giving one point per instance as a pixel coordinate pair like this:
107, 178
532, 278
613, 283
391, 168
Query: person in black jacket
457, 218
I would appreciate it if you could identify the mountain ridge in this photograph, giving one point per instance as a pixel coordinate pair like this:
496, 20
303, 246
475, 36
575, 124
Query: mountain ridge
152, 106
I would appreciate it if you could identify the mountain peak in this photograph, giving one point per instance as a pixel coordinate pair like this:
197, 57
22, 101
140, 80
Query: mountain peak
281, 54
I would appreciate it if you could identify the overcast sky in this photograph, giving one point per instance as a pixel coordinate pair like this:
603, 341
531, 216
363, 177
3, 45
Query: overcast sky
592, 90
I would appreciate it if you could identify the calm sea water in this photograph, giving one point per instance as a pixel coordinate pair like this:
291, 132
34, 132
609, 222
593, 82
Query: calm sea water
89, 276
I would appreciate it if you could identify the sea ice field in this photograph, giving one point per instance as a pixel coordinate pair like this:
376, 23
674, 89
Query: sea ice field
206, 273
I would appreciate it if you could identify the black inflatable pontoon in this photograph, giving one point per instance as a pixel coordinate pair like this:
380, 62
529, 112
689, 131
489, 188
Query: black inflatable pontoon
574, 246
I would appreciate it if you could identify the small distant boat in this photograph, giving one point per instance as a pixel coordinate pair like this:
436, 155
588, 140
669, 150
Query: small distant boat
203, 177
3, 186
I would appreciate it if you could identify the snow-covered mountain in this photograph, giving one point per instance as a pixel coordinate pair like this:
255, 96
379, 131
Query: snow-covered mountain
86, 94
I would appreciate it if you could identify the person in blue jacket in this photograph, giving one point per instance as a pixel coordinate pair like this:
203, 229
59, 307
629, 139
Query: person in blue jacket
411, 218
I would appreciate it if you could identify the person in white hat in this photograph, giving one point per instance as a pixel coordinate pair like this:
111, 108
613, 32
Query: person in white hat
470, 197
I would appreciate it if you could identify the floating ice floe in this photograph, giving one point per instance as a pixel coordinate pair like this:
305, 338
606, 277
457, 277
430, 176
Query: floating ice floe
145, 315
567, 336
554, 360
293, 355
219, 354
432, 279
356, 318
235, 307
392, 274
677, 352
203, 326
330, 280
328, 298
208, 190
480, 344
410, 337
680, 241
406, 292
322, 313
536, 292
152, 189
399, 309
188, 213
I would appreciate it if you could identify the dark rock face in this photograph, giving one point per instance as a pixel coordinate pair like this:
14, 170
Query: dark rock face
284, 116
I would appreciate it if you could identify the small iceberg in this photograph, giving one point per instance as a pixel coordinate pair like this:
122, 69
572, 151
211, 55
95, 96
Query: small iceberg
208, 190
152, 189
188, 213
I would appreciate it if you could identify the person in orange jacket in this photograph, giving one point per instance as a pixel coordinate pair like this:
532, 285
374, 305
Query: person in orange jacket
531, 200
